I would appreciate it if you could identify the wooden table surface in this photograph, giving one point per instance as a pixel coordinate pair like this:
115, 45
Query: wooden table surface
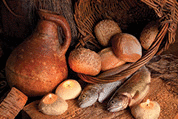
160, 91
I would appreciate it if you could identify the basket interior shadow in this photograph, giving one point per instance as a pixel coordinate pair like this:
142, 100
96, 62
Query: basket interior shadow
131, 16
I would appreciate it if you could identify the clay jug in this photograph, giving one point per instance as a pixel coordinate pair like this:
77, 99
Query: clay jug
38, 64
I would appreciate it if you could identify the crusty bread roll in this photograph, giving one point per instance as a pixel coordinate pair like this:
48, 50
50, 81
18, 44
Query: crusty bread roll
149, 34
104, 30
126, 47
108, 59
85, 61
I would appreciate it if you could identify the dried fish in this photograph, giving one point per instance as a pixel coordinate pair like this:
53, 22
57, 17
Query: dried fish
131, 92
94, 92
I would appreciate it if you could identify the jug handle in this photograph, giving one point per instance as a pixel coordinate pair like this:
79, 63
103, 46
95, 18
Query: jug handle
62, 22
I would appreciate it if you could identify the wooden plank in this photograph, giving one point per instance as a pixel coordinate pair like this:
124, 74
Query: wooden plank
12, 104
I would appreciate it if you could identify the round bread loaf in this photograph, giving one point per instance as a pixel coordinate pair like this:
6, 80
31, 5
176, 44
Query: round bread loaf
109, 60
126, 47
85, 61
104, 30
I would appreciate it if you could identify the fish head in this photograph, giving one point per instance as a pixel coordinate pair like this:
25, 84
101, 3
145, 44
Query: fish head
87, 98
118, 103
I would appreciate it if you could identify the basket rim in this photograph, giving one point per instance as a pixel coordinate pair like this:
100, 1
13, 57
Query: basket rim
166, 10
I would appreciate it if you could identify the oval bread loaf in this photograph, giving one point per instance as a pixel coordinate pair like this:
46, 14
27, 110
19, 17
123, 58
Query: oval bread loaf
126, 47
149, 34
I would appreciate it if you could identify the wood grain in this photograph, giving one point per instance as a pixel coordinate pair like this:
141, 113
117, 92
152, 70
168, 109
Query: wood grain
12, 104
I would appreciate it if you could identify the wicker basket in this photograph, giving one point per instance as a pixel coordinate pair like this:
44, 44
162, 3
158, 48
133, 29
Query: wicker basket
128, 14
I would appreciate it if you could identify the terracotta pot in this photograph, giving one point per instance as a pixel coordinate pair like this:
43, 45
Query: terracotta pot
38, 64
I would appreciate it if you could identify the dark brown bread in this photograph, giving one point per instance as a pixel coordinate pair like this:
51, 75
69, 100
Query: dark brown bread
126, 47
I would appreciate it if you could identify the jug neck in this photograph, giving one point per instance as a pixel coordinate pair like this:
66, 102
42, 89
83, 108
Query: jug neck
47, 28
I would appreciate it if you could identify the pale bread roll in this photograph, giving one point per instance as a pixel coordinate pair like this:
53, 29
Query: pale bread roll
109, 60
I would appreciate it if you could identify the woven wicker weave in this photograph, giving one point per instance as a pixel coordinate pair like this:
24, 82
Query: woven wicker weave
129, 14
